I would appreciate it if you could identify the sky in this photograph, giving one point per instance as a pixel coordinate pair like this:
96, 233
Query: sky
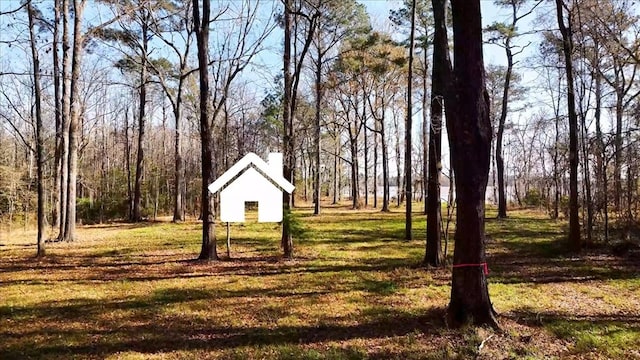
268, 64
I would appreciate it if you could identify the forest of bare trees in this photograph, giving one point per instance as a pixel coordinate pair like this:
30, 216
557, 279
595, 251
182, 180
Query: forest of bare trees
126, 110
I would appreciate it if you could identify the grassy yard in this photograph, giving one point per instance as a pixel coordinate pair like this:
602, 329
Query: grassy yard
354, 291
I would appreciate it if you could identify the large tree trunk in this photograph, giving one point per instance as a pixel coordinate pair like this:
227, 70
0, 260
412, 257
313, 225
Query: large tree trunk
575, 242
74, 120
469, 130
39, 141
441, 76
208, 250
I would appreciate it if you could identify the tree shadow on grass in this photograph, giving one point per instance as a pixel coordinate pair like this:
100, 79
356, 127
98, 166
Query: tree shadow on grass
143, 331
142, 269
548, 260
610, 335
123, 225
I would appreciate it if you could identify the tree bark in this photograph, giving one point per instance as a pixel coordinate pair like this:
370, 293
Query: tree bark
127, 163
617, 148
375, 165
355, 184
469, 130
39, 141
316, 133
575, 243
74, 120
441, 76
336, 174
502, 199
601, 155
408, 144
137, 189
208, 250
55, 208
178, 206
425, 129
65, 108
286, 240
385, 165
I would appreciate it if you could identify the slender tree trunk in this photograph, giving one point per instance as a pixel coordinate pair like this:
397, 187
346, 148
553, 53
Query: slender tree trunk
366, 158
601, 156
355, 188
502, 199
469, 130
137, 192
336, 175
375, 165
440, 77
316, 134
617, 148
65, 108
127, 161
208, 250
408, 144
399, 182
385, 166
74, 123
39, 141
58, 117
179, 181
287, 241
588, 200
425, 128
556, 168
178, 206
575, 242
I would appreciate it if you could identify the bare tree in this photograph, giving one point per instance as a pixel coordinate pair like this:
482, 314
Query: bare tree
184, 25
503, 35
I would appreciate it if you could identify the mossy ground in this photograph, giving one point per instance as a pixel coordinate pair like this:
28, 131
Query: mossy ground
354, 291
